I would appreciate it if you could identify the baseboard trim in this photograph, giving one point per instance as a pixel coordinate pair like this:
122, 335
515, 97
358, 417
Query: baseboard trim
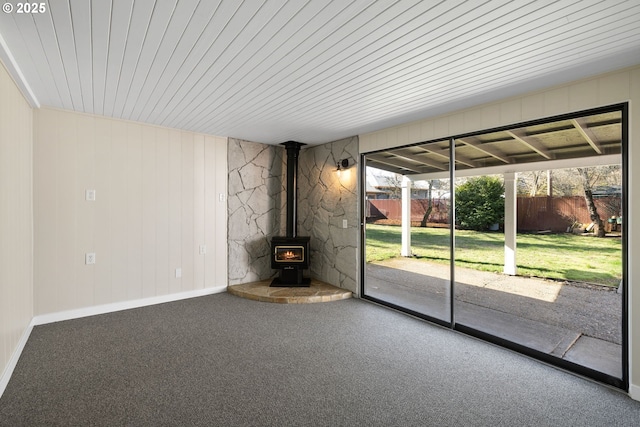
13, 361
92, 311
43, 319
634, 392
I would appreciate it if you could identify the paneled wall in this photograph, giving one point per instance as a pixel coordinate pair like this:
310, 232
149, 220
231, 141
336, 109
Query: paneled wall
160, 194
607, 89
326, 200
257, 208
16, 218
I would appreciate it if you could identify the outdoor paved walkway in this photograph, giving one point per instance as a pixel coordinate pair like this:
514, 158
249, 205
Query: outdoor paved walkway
577, 322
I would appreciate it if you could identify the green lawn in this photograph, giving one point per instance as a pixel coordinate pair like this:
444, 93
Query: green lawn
554, 256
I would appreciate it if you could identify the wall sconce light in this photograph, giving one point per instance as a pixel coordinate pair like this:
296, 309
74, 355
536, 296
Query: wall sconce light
343, 165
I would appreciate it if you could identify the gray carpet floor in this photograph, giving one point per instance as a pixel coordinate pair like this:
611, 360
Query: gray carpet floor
221, 360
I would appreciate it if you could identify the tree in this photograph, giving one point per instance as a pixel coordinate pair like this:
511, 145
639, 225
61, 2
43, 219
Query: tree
394, 185
423, 223
532, 183
566, 183
591, 206
480, 203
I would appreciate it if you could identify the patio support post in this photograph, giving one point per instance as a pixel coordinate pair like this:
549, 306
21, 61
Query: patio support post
405, 249
510, 222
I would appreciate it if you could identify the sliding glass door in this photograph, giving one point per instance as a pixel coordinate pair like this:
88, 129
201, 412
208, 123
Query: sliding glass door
408, 230
559, 292
526, 248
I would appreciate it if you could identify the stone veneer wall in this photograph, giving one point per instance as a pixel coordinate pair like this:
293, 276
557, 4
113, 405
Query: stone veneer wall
256, 206
324, 201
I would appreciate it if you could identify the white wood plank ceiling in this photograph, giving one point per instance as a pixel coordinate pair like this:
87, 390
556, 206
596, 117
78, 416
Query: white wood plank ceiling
312, 71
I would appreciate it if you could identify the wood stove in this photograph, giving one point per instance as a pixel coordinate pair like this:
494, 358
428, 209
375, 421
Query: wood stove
290, 253
291, 256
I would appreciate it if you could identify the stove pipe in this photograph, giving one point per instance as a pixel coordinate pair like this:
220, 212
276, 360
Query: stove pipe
293, 149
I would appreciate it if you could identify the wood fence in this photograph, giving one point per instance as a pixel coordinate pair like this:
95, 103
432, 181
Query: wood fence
534, 213
391, 209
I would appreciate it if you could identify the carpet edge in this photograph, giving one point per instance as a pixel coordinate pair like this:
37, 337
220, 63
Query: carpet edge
13, 360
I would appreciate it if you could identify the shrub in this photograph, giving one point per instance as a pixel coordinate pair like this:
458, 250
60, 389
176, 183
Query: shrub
480, 203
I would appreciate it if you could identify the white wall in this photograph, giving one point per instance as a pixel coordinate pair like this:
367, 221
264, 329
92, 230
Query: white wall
16, 220
157, 201
607, 89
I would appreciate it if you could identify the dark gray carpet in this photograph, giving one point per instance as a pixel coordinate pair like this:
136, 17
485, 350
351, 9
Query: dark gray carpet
225, 361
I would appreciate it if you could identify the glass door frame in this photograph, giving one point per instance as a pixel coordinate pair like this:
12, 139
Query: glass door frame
622, 383
363, 237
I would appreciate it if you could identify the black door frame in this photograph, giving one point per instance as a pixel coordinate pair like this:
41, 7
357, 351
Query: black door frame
622, 383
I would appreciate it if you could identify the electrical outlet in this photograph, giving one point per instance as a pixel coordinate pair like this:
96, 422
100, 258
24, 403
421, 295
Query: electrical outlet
203, 249
90, 195
344, 223
178, 273
221, 197
90, 258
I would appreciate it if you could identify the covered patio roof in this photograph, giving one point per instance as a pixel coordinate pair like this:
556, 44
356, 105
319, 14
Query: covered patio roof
583, 141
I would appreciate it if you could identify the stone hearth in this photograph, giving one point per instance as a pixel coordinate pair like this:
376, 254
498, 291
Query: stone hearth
316, 292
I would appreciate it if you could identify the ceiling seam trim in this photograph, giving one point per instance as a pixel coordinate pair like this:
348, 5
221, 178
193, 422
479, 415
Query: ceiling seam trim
14, 70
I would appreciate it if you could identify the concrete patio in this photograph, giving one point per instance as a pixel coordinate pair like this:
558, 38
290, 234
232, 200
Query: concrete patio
580, 323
